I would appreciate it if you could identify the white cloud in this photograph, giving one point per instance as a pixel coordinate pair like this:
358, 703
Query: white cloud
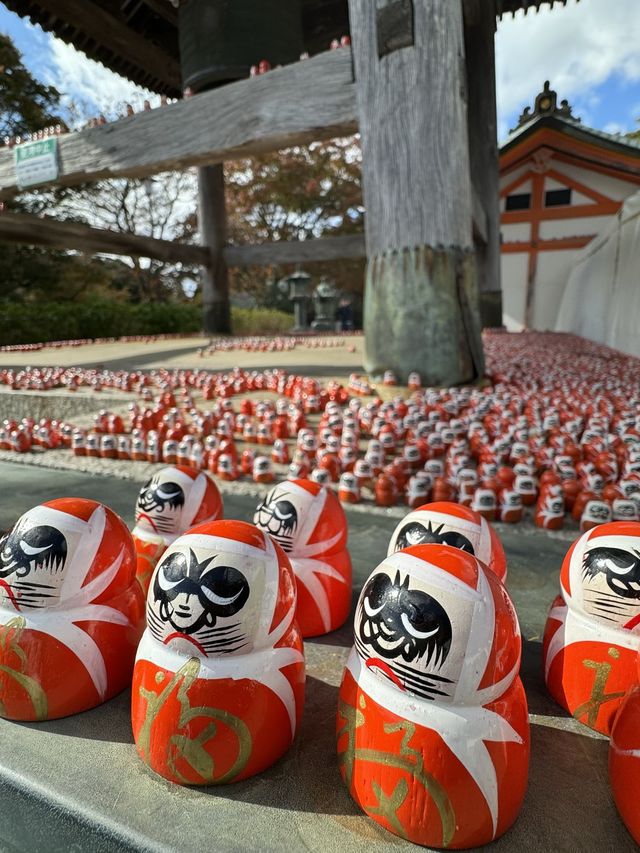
87, 83
576, 47
614, 127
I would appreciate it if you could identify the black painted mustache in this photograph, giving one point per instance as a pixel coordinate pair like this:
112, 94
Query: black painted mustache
27, 595
163, 523
424, 685
609, 606
222, 640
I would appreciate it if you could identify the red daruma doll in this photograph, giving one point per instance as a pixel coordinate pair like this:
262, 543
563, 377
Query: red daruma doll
432, 728
307, 521
218, 685
446, 523
71, 612
173, 500
592, 633
624, 758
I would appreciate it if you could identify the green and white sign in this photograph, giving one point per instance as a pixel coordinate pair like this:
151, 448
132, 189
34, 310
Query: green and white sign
36, 162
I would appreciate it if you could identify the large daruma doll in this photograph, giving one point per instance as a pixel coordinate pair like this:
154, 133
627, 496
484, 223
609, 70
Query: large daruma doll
308, 522
218, 685
592, 633
173, 500
624, 758
71, 611
432, 728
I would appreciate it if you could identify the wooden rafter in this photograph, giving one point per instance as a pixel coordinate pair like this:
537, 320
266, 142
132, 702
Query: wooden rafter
44, 231
297, 251
53, 233
297, 104
89, 21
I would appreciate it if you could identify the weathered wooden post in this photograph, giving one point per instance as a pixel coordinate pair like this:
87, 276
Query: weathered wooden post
212, 216
421, 303
479, 41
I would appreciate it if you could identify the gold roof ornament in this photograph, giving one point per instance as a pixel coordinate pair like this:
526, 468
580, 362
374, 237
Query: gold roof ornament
546, 104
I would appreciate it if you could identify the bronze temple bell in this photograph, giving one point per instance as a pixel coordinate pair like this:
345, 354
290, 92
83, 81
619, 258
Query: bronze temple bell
221, 39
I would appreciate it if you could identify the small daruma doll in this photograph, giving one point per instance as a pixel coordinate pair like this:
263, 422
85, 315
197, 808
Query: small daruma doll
71, 612
307, 521
218, 685
173, 500
432, 728
592, 633
446, 523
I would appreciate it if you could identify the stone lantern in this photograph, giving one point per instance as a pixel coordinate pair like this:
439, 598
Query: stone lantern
298, 285
325, 302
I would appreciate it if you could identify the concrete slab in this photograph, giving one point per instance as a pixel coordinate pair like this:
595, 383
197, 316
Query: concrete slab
183, 352
77, 784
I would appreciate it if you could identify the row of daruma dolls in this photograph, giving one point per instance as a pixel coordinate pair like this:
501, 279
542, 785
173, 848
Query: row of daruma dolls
593, 491
432, 713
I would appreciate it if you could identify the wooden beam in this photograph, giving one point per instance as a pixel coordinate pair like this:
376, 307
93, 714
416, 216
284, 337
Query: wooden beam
299, 103
105, 28
297, 251
43, 231
164, 9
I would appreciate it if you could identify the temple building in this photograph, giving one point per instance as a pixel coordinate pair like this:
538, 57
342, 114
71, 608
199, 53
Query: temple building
561, 184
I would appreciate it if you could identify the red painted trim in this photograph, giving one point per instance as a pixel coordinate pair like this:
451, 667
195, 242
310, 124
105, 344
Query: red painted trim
567, 144
516, 183
610, 171
578, 187
522, 246
576, 211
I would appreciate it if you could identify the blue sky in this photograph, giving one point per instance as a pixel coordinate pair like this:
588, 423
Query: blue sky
590, 51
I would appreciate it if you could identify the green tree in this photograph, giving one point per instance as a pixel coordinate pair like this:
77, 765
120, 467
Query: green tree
153, 207
26, 105
301, 193
634, 135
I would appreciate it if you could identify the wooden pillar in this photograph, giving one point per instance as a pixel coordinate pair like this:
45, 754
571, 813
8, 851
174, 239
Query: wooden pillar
479, 38
421, 303
213, 230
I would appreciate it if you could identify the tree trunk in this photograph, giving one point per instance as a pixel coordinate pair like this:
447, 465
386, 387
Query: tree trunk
213, 227
421, 303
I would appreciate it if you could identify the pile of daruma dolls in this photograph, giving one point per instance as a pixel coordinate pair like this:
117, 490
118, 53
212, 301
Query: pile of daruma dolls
556, 436
204, 618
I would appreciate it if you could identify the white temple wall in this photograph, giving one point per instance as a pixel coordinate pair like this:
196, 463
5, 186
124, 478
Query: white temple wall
514, 289
552, 272
552, 229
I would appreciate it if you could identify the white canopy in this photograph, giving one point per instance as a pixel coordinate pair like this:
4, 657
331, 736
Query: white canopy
602, 298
